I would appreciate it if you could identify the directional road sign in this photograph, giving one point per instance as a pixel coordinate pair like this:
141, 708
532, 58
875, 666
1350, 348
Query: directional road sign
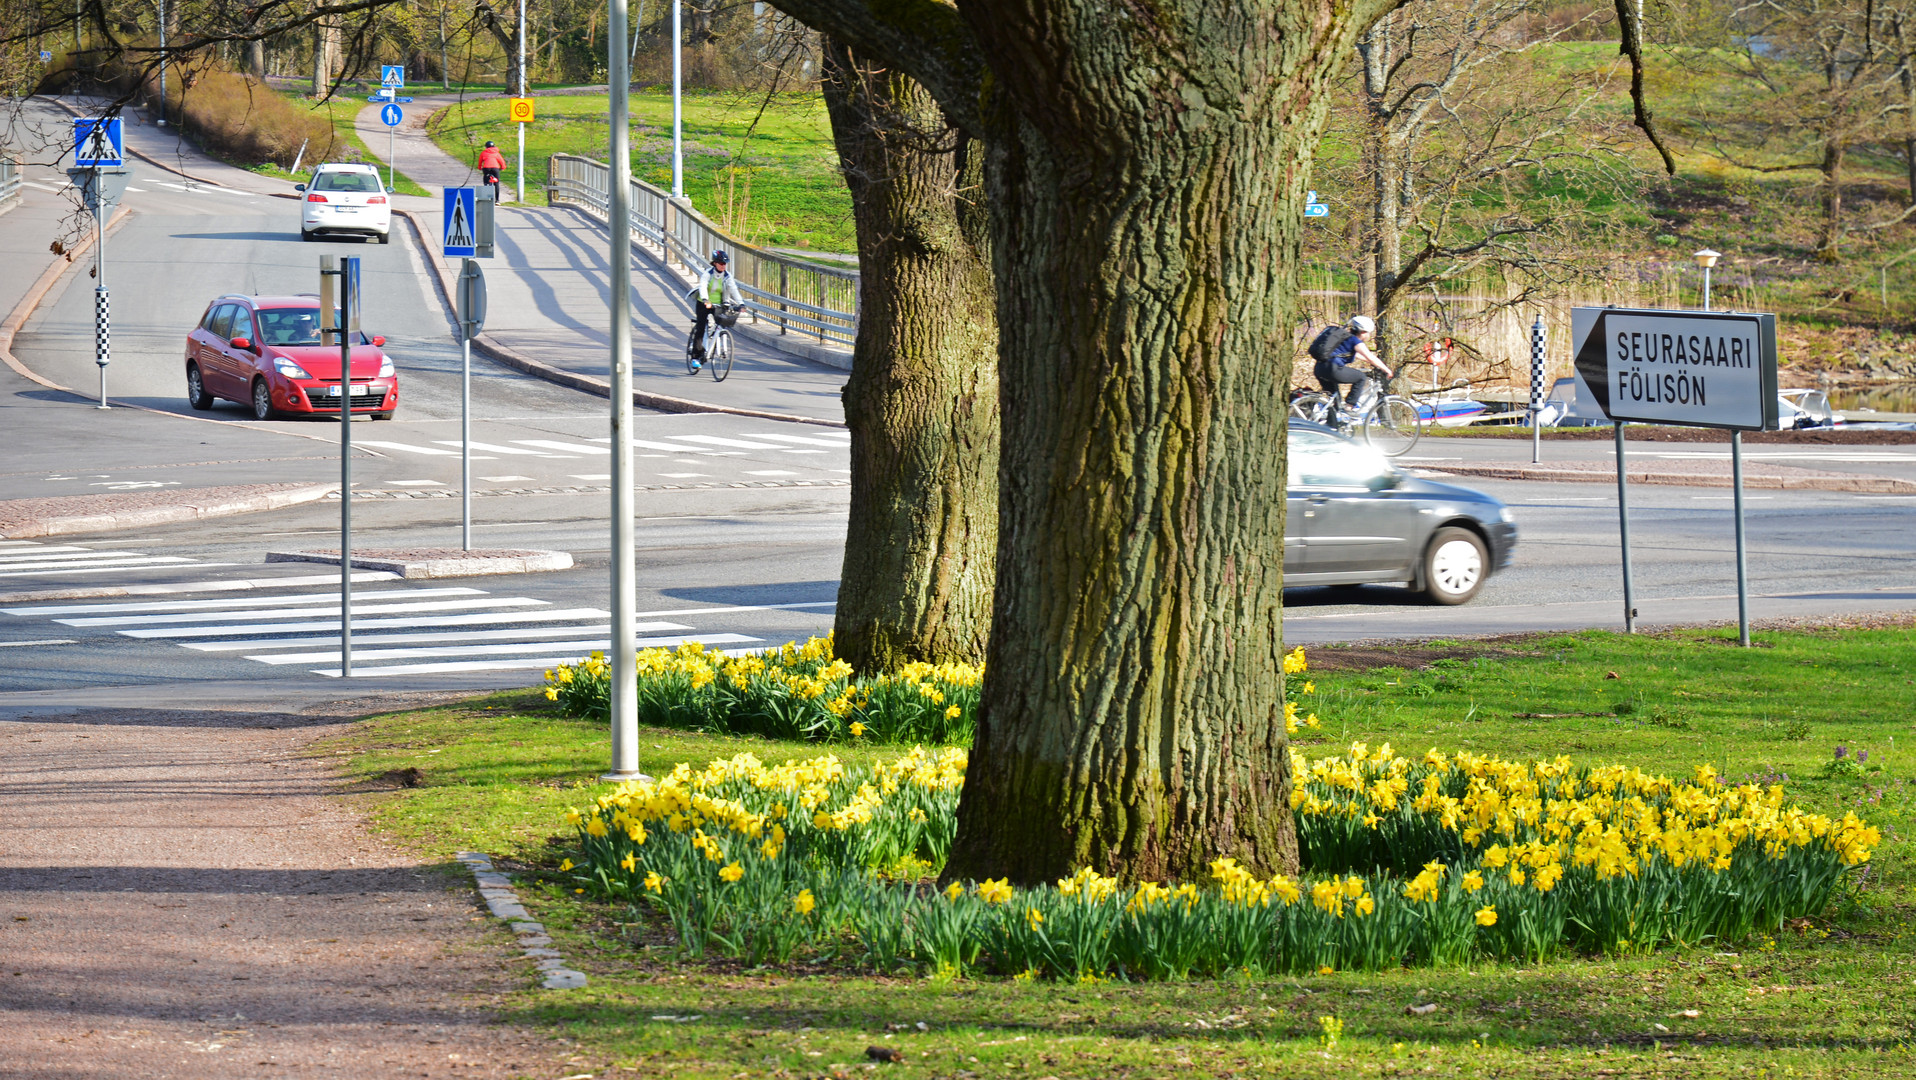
391, 115
392, 76
1317, 210
1691, 368
520, 110
97, 143
459, 230
378, 99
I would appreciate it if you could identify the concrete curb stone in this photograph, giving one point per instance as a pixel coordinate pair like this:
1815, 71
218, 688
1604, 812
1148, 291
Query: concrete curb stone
1773, 478
43, 517
534, 944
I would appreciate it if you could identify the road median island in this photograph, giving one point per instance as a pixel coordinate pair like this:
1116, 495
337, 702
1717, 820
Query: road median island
1656, 719
1682, 474
61, 515
437, 562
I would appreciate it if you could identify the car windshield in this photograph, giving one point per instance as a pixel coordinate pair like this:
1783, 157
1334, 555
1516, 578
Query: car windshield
292, 326
346, 181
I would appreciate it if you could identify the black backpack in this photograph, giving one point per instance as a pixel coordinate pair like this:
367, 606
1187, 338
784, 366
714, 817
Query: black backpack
1327, 343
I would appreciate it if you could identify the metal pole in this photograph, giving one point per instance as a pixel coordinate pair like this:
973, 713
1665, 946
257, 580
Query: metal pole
1537, 353
1706, 288
391, 129
1623, 532
465, 430
162, 122
523, 92
623, 705
345, 469
102, 320
1742, 562
678, 140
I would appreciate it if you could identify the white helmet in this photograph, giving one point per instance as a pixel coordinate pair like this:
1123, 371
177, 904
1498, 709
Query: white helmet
1362, 324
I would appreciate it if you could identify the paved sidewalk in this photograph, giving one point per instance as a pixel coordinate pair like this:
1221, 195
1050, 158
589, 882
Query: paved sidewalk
549, 292
182, 894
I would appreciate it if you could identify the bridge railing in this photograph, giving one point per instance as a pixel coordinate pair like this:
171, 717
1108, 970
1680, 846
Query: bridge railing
9, 180
797, 296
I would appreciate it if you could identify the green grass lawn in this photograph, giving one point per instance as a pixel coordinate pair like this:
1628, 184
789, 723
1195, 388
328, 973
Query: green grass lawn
796, 197
1834, 996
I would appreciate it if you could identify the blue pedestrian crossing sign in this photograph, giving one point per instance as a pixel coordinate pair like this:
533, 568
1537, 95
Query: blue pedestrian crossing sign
391, 115
460, 231
392, 76
97, 143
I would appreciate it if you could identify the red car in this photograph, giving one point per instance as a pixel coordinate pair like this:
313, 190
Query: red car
265, 351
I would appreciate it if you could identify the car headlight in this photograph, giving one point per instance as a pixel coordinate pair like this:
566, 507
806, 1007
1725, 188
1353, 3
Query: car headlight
1506, 515
289, 369
386, 370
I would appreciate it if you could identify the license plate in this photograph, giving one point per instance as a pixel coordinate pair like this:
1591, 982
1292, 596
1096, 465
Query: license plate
333, 391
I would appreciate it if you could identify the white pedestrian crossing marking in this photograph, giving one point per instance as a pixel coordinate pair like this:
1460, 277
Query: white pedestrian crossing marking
563, 447
714, 440
408, 448
839, 443
398, 630
491, 448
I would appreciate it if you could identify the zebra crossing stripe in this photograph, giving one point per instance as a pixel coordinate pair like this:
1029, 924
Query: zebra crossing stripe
234, 602
302, 612
97, 568
520, 634
325, 625
454, 667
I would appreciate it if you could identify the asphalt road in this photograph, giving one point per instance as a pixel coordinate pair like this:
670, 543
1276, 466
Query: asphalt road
741, 521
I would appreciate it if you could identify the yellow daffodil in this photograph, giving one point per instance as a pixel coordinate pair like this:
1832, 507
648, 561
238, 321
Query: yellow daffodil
732, 872
1486, 916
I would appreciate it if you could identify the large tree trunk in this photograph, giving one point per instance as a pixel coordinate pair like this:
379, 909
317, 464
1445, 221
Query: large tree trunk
922, 400
1147, 173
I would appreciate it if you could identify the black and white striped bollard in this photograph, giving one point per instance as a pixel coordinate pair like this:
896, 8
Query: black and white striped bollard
1537, 353
102, 338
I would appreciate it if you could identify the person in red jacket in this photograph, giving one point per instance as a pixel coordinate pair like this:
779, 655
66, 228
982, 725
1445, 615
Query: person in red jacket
490, 162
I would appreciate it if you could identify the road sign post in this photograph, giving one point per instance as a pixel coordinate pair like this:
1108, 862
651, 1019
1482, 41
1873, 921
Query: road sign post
1537, 355
472, 319
339, 316
1686, 368
390, 115
520, 111
99, 171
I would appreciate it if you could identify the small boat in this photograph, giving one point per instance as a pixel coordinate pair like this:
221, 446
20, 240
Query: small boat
1797, 410
1451, 408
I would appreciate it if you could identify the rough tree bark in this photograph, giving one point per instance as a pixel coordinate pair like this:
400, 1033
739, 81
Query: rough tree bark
1146, 170
922, 400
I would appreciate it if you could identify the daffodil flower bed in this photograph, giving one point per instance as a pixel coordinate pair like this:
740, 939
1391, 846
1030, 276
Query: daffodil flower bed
1487, 857
791, 692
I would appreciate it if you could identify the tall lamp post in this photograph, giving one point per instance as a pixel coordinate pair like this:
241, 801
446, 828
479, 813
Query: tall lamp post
678, 139
1706, 259
519, 195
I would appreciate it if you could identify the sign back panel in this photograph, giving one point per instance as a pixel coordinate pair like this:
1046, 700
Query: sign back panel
1688, 368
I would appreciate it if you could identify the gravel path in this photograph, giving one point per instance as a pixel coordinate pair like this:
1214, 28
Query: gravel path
183, 895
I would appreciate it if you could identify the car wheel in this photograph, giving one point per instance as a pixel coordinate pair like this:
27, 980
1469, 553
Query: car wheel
196, 394
385, 238
305, 236
1455, 565
263, 401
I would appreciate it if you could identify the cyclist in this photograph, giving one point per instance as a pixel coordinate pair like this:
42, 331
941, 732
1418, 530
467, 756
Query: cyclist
491, 161
716, 286
1340, 368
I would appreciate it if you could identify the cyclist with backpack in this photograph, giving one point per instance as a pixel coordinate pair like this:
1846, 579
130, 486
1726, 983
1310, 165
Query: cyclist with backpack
1337, 352
491, 161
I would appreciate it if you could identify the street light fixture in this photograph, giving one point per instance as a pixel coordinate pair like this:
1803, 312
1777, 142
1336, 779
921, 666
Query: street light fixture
1706, 259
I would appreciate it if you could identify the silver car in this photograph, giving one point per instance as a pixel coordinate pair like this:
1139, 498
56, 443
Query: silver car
1353, 517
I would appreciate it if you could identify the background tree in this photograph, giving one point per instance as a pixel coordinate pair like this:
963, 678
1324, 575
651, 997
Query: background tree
1449, 107
922, 399
1820, 77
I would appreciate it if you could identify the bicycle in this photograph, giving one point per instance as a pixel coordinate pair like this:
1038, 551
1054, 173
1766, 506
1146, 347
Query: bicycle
718, 343
1384, 420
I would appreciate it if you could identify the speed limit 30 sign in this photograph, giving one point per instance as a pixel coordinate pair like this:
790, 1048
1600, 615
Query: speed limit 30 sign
520, 110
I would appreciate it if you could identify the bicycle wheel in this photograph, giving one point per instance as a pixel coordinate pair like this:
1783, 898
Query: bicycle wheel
691, 346
1313, 407
1393, 426
721, 358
